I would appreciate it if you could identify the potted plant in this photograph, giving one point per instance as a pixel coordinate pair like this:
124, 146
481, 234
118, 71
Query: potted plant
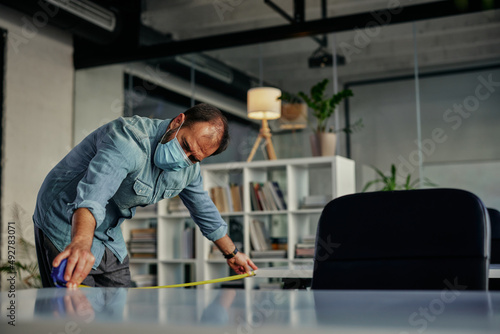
324, 140
293, 112
390, 182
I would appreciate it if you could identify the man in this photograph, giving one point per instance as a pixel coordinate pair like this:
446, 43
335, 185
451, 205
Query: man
123, 164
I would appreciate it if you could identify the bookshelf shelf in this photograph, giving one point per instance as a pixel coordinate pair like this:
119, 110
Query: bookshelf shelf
232, 214
271, 260
175, 215
173, 261
297, 179
306, 211
267, 213
143, 261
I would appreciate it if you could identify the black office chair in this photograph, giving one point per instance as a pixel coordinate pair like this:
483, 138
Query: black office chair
415, 239
495, 235
494, 283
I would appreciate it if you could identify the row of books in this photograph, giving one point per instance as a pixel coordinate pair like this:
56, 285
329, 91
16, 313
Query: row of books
266, 196
228, 198
261, 242
142, 243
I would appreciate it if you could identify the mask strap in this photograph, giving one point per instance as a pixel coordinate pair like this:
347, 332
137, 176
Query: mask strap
178, 129
163, 137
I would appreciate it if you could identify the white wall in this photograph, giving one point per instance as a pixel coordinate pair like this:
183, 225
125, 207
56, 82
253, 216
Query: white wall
38, 114
98, 98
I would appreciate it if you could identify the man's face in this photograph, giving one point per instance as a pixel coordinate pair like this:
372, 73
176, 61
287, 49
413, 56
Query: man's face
199, 141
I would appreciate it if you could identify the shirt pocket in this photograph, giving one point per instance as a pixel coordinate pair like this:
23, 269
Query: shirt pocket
132, 195
142, 189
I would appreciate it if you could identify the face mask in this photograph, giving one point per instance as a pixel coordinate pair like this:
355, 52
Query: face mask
170, 156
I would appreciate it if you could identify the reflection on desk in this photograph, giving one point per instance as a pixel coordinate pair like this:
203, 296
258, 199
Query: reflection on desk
306, 271
118, 310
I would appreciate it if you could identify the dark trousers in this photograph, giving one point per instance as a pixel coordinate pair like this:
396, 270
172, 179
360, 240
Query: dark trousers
109, 273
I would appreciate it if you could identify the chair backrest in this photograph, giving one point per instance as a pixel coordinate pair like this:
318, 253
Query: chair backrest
416, 239
495, 235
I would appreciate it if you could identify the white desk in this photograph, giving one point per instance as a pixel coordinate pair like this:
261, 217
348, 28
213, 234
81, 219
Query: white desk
124, 311
306, 271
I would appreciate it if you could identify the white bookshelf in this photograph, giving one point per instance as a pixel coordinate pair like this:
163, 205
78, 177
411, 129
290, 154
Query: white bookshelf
297, 178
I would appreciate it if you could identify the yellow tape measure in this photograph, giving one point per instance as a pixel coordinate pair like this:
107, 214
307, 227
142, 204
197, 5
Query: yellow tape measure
216, 280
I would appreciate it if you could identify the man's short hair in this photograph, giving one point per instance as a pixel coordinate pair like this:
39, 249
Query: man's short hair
204, 112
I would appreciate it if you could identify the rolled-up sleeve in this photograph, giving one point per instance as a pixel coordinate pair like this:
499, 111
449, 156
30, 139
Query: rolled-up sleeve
105, 173
203, 210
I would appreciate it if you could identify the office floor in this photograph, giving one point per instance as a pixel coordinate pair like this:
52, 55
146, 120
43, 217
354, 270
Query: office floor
103, 310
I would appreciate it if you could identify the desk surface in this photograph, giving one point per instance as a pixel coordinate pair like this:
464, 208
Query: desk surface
123, 311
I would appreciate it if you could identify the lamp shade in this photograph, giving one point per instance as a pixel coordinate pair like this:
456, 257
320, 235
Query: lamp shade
263, 103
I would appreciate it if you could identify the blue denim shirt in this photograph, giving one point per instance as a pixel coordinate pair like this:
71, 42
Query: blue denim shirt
111, 172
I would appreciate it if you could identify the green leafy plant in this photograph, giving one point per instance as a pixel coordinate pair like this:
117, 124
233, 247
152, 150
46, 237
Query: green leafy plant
322, 106
25, 266
389, 182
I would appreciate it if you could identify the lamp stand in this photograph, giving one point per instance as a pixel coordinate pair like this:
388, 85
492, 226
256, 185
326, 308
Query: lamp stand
265, 133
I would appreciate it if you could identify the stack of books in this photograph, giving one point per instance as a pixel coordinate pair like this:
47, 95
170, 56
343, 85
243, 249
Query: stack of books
228, 198
267, 196
261, 242
305, 249
142, 243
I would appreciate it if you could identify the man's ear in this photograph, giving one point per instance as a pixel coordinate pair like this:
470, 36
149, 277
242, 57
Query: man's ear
180, 120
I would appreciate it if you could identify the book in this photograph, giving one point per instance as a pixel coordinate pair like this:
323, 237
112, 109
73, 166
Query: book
255, 238
227, 198
253, 198
268, 197
279, 193
254, 193
259, 236
236, 198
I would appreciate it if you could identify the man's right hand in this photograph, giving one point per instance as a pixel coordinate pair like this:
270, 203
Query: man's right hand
80, 262
80, 258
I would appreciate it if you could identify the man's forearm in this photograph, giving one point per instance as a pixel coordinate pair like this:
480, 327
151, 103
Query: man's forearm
225, 244
83, 226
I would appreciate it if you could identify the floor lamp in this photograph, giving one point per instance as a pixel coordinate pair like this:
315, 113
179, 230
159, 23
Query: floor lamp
264, 103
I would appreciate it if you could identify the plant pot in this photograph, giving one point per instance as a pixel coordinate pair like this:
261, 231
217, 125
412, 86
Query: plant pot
323, 144
293, 116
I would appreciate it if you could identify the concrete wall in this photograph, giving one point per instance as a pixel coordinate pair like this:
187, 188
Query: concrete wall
38, 114
98, 98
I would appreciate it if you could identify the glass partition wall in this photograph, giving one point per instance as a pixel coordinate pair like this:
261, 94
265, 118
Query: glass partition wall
427, 95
